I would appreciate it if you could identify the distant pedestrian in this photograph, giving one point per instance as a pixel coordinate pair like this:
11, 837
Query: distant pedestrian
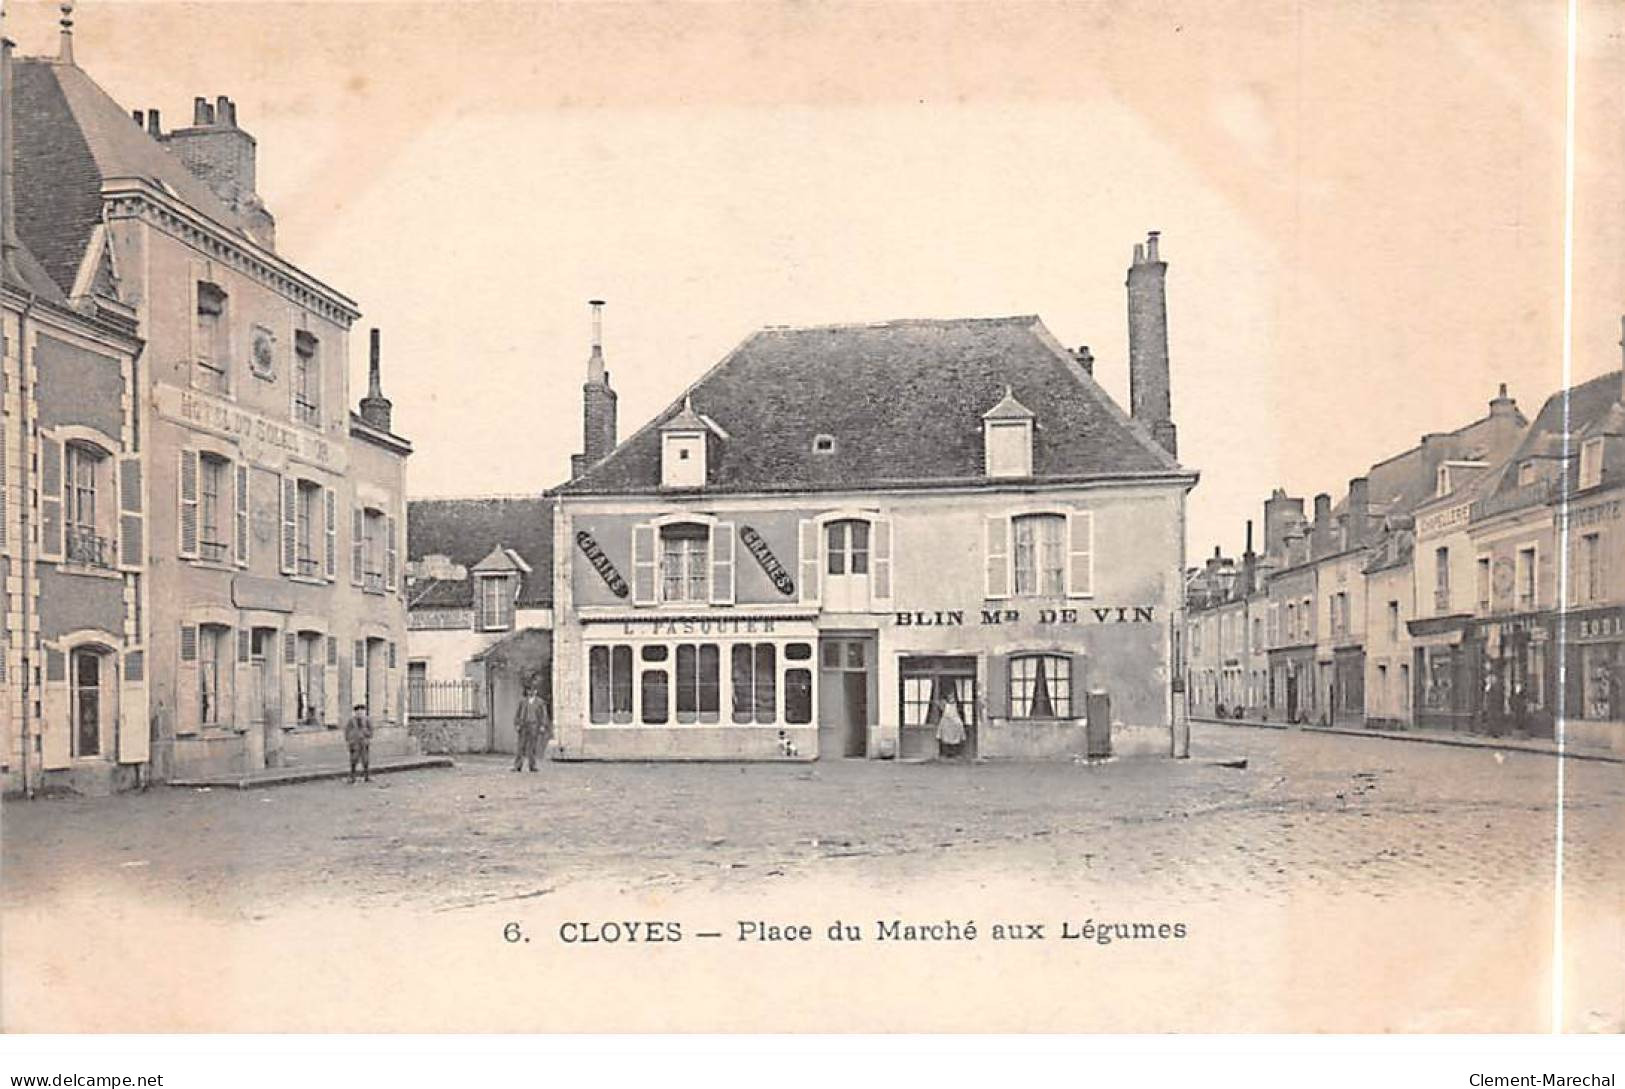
358, 735
533, 725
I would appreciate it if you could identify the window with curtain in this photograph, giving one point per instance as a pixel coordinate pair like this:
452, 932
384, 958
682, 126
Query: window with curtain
685, 562
1041, 686
1040, 554
847, 547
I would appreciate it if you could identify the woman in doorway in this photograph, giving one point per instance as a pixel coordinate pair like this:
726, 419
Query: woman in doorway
951, 735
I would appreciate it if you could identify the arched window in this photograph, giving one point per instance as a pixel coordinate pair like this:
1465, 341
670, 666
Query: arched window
1040, 686
685, 562
847, 547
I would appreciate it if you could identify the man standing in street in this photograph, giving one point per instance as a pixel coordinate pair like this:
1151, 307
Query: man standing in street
358, 735
533, 725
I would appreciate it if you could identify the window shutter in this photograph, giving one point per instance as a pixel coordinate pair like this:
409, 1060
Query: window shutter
50, 501
188, 504
358, 550
245, 640
131, 542
56, 723
810, 567
1080, 687
997, 535
722, 563
330, 559
643, 565
880, 563
240, 523
187, 710
390, 554
1080, 567
360, 649
199, 273
133, 728
290, 524
998, 687
332, 651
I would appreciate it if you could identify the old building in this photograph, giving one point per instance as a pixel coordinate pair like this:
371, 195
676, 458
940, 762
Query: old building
839, 539
480, 611
273, 512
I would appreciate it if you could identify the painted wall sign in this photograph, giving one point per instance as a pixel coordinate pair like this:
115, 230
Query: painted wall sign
263, 440
601, 563
756, 545
1430, 525
955, 618
701, 625
1590, 516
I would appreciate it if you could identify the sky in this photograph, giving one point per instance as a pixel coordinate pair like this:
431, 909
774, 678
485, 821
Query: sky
1361, 203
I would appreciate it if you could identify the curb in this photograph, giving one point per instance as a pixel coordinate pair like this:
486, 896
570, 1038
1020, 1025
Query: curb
290, 776
1429, 739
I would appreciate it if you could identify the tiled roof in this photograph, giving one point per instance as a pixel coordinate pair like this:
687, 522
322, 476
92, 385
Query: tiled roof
904, 401
1585, 410
1400, 484
467, 531
71, 136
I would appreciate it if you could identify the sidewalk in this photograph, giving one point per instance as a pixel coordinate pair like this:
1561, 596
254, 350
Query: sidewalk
270, 777
1434, 737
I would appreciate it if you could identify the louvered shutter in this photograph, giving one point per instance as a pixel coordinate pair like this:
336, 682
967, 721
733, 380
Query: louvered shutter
1080, 686
998, 686
1080, 566
997, 535
391, 554
290, 525
188, 494
240, 532
134, 730
131, 523
358, 546
50, 500
880, 563
722, 563
56, 710
330, 559
643, 565
810, 566
187, 709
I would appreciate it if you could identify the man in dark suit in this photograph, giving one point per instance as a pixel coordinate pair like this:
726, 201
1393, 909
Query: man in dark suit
358, 735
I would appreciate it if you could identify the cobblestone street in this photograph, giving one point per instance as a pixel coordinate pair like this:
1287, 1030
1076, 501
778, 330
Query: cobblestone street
1370, 827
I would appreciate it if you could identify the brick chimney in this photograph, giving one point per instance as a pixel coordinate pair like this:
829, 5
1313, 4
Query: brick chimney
1321, 533
222, 156
1501, 404
376, 409
1359, 511
598, 430
1085, 358
1149, 401
1280, 512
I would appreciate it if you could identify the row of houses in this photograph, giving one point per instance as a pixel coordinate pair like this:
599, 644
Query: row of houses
203, 543
833, 540
1474, 582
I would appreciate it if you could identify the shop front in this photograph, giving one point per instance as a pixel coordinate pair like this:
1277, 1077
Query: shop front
1447, 674
1292, 683
1594, 674
1516, 683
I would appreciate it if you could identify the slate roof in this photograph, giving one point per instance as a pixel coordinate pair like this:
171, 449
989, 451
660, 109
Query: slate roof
467, 530
904, 401
71, 136
1400, 484
1589, 409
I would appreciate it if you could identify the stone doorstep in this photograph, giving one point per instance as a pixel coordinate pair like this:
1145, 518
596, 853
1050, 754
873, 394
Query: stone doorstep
1465, 741
283, 776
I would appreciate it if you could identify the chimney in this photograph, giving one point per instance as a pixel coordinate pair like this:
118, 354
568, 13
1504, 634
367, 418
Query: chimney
1085, 358
1280, 511
1321, 535
376, 409
1149, 401
1359, 511
140, 118
155, 128
1502, 405
598, 430
65, 49
1249, 564
223, 157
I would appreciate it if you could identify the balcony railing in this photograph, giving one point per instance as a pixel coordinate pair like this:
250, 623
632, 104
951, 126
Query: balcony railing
309, 567
373, 582
446, 698
213, 551
306, 412
87, 548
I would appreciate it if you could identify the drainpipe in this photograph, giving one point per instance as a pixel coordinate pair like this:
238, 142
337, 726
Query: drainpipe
25, 533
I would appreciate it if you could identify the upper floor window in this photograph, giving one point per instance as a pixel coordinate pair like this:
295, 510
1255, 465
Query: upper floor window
372, 550
1483, 583
306, 378
1041, 686
1040, 554
846, 547
495, 602
213, 475
1441, 579
308, 515
1526, 578
1393, 620
685, 562
87, 513
1591, 463
683, 459
1591, 579
211, 344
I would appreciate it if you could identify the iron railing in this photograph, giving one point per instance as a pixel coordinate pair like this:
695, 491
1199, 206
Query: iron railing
373, 582
87, 548
444, 698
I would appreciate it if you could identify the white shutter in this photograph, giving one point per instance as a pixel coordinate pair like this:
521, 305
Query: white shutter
50, 498
810, 566
391, 554
186, 683
56, 710
330, 559
722, 563
643, 565
880, 563
290, 525
358, 546
131, 538
1080, 554
997, 536
240, 533
133, 730
188, 504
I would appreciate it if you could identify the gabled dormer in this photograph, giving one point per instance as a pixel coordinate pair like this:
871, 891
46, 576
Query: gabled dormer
683, 449
1007, 438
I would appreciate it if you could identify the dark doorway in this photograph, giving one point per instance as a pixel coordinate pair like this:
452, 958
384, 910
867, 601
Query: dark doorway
87, 702
843, 696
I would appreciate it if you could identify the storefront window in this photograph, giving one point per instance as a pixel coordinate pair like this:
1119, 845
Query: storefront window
655, 701
1602, 682
1041, 686
699, 685
610, 684
754, 675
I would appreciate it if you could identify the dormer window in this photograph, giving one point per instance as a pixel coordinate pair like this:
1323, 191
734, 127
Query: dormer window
823, 444
1591, 463
1443, 481
1007, 437
683, 450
